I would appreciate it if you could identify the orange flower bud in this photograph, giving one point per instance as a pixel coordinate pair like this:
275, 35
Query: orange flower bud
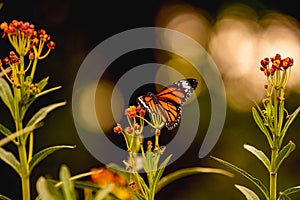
118, 128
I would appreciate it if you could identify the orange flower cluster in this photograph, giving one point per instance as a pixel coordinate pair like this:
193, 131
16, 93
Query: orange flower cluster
277, 64
106, 176
133, 110
27, 30
121, 188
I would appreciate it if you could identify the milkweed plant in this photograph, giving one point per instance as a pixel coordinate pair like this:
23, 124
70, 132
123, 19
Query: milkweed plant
273, 120
19, 89
144, 156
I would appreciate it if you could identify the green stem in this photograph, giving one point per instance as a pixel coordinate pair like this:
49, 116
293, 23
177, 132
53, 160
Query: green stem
34, 62
273, 174
21, 147
276, 132
152, 193
30, 150
156, 141
24, 172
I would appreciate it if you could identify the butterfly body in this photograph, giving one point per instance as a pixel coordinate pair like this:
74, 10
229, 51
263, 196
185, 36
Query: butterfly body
168, 102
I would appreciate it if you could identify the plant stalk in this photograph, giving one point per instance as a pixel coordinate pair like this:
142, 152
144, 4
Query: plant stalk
24, 172
24, 169
273, 175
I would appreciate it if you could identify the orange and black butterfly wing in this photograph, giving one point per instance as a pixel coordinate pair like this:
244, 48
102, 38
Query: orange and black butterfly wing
172, 97
168, 102
149, 102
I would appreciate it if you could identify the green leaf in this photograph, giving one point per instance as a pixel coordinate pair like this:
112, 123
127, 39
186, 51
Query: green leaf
10, 159
260, 123
68, 185
31, 100
47, 91
254, 180
101, 194
284, 197
159, 173
86, 185
79, 176
259, 154
38, 157
285, 193
42, 113
5, 131
2, 197
46, 190
42, 83
141, 184
6, 95
289, 121
11, 137
188, 172
283, 154
249, 194
138, 196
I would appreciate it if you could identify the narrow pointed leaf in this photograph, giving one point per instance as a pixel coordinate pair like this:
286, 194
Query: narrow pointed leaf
249, 194
42, 113
284, 153
188, 172
254, 180
38, 157
259, 154
5, 131
138, 196
47, 91
260, 123
289, 121
284, 197
10, 159
78, 176
42, 83
6, 95
86, 185
2, 197
101, 194
11, 137
290, 191
30, 101
68, 185
159, 173
141, 184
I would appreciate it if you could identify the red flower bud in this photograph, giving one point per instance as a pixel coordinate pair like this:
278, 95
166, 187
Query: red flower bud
51, 44
118, 128
31, 56
6, 60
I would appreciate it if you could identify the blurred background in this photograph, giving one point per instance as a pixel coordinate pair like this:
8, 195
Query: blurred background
237, 35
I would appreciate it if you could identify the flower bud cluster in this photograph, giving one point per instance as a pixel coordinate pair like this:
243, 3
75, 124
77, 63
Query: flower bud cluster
277, 63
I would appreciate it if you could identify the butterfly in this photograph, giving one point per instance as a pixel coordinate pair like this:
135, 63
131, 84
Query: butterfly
168, 102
